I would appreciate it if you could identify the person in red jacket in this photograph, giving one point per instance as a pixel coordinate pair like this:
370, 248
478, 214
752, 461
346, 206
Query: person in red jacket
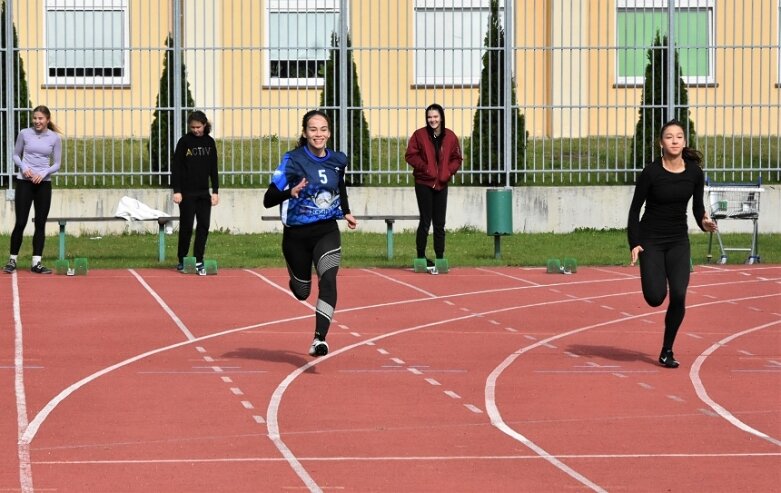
435, 156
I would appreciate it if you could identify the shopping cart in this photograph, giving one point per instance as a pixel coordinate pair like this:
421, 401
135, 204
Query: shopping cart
734, 201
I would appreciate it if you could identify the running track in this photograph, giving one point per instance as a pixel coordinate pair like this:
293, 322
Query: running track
506, 380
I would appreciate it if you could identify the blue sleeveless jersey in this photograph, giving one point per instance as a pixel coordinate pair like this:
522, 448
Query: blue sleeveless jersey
319, 200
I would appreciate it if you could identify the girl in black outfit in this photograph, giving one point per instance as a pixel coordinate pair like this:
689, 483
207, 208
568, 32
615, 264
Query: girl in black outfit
195, 164
660, 240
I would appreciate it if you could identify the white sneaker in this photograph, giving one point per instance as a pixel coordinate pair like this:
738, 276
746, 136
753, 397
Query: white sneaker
318, 348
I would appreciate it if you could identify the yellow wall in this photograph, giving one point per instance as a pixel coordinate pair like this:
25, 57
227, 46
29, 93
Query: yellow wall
234, 77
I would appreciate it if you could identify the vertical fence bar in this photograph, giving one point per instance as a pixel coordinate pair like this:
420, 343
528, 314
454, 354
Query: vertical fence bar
10, 104
509, 155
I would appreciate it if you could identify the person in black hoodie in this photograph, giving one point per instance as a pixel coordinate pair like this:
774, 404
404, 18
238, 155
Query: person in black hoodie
194, 166
660, 240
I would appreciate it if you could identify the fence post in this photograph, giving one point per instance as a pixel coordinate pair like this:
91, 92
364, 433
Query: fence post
671, 82
509, 42
9, 95
177, 69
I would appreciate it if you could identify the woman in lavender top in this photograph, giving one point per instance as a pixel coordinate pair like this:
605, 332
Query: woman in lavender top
37, 154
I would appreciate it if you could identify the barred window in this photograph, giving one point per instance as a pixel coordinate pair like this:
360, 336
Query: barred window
87, 42
299, 38
449, 40
638, 21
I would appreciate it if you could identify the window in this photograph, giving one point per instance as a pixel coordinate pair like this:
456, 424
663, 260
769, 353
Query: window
299, 37
87, 42
449, 39
638, 21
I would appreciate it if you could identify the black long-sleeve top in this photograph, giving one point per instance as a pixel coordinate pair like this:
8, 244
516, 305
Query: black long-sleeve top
665, 196
195, 164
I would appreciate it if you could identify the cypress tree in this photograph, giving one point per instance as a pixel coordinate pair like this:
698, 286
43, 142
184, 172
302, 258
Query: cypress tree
653, 111
486, 147
162, 133
21, 97
358, 138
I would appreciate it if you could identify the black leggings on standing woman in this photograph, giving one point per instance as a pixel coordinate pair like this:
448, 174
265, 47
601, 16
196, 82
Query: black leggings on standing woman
432, 205
199, 208
28, 195
662, 264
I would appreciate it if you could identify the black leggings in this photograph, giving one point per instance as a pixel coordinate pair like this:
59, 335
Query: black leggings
27, 195
320, 245
199, 208
432, 205
660, 265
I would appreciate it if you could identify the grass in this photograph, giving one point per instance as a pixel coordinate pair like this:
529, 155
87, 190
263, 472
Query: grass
465, 248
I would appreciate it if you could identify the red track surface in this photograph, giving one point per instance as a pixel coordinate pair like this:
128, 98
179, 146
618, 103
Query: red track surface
479, 380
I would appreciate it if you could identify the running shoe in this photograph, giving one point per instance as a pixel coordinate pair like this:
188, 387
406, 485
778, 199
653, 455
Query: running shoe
318, 348
10, 267
180, 267
200, 269
39, 269
667, 360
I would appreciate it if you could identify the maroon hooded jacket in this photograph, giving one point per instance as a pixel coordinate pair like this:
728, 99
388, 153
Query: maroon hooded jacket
421, 156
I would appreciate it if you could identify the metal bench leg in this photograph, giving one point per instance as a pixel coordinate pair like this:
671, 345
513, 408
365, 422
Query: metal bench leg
160, 242
389, 237
62, 240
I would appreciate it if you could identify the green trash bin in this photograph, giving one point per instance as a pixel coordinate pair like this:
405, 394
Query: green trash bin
499, 215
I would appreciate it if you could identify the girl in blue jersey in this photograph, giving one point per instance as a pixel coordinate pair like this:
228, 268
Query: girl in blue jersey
660, 240
309, 187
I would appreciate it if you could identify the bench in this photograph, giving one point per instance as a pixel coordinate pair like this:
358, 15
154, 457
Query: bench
388, 218
161, 224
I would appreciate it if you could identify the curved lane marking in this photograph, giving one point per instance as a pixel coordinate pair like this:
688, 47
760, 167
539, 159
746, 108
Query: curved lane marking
694, 375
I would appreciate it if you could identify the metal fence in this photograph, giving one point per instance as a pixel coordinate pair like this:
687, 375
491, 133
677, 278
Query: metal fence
550, 92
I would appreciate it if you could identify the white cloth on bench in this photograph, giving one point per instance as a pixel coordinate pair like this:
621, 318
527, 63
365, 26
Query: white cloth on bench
131, 209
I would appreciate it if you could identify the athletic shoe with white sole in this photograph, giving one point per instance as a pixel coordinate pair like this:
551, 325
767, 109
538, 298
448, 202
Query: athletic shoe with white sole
318, 348
10, 267
39, 269
667, 360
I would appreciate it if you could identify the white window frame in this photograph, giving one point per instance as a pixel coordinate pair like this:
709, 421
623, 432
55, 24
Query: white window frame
89, 5
476, 52
629, 5
295, 6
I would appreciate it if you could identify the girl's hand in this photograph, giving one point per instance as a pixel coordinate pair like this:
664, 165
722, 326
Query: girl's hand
635, 254
352, 223
215, 199
709, 224
297, 189
177, 198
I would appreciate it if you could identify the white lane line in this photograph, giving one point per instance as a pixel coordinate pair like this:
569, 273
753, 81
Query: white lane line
415, 371
473, 408
675, 398
407, 458
23, 448
452, 394
189, 335
510, 329
382, 351
227, 379
433, 381
496, 416
259, 419
247, 405
398, 361
646, 386
502, 274
694, 376
236, 391
414, 288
